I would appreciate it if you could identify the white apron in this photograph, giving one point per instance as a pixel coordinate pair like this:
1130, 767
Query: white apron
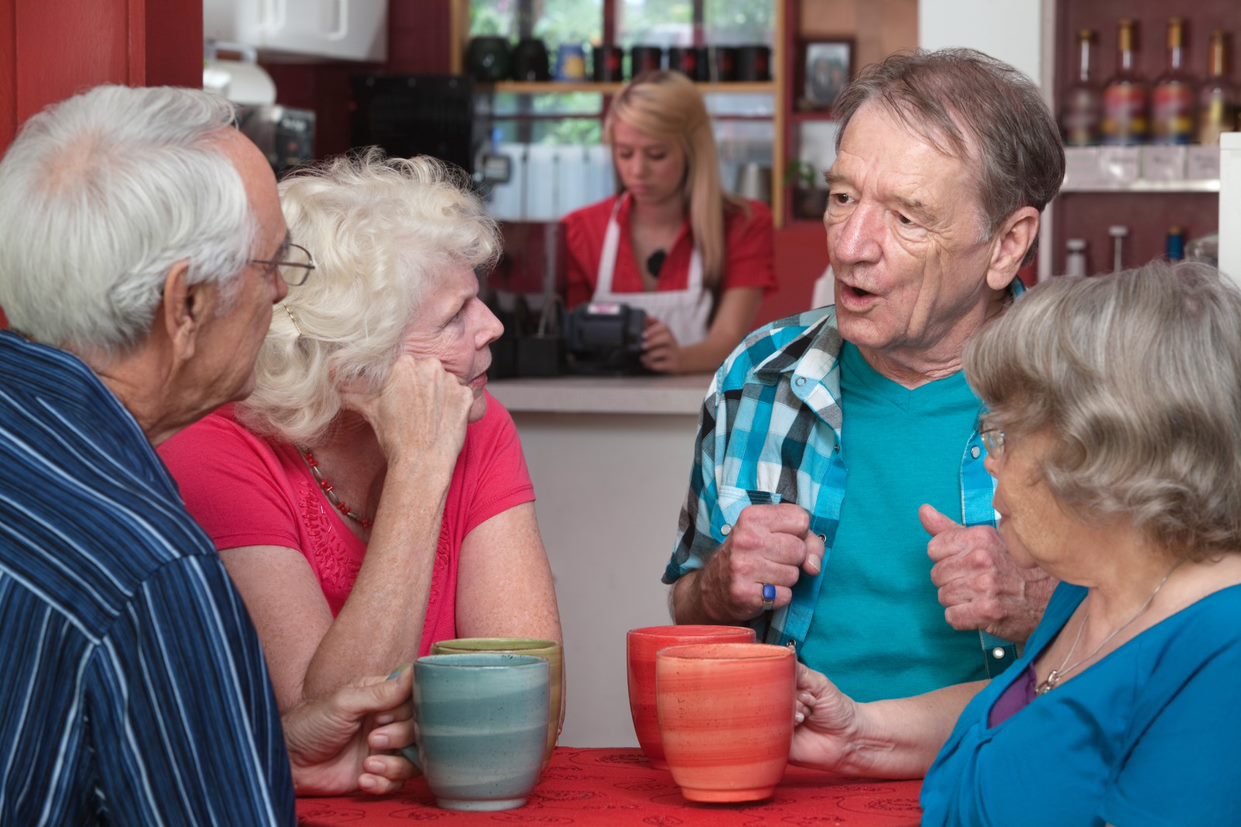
685, 312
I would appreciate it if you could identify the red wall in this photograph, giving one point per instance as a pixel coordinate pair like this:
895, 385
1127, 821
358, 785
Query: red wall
52, 49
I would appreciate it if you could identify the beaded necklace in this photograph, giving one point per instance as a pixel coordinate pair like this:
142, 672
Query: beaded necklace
330, 492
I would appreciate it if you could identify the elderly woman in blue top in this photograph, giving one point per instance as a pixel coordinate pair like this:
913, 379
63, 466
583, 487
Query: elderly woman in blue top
1115, 439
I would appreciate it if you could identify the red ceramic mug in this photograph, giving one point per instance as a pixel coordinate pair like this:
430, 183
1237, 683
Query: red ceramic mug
642, 646
726, 718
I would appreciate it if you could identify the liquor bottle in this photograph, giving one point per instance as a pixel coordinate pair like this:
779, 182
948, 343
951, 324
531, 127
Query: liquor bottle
1175, 247
1218, 100
1173, 99
1075, 261
1125, 120
1118, 232
1083, 104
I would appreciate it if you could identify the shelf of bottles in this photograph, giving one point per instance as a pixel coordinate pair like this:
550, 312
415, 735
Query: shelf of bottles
516, 87
1132, 135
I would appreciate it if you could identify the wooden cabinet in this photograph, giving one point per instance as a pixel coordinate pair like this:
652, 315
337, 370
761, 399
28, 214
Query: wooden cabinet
871, 30
775, 89
52, 49
1147, 208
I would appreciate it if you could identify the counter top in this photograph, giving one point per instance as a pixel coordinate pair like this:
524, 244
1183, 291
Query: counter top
681, 395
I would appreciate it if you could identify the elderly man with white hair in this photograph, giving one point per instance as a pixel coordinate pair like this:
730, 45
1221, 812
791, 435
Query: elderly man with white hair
142, 247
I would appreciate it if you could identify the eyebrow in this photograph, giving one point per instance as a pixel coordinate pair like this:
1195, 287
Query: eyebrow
914, 206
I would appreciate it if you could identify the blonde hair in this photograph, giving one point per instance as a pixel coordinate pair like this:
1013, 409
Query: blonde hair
668, 107
382, 232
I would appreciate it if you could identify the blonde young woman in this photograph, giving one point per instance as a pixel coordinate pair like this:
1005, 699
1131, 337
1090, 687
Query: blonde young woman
673, 243
370, 497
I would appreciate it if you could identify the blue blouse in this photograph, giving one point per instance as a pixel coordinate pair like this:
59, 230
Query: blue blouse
1148, 735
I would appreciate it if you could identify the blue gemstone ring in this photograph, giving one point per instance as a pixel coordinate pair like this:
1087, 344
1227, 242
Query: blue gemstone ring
769, 597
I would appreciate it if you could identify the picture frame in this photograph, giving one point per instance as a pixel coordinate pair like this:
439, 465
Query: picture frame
826, 68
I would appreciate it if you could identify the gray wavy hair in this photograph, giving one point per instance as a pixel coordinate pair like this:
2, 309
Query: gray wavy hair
100, 195
1137, 376
943, 95
383, 232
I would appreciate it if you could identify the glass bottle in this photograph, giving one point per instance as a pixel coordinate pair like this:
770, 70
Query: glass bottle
1173, 99
1125, 119
1083, 104
1175, 246
1075, 260
1218, 99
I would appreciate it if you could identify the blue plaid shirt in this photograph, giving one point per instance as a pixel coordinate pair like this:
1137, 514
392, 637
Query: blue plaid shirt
770, 433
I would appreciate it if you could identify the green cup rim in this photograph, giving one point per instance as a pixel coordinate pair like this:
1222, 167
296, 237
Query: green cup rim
500, 660
496, 644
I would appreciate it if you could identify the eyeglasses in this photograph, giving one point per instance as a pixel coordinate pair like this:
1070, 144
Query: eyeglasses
295, 267
993, 439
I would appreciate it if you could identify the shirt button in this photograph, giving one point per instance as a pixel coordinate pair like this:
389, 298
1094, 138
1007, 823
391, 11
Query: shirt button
801, 380
998, 653
975, 452
726, 530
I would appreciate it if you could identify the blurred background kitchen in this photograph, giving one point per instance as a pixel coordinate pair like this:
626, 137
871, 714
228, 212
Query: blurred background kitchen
515, 91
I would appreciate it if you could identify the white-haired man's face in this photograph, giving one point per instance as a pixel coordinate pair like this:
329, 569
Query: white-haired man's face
906, 241
230, 342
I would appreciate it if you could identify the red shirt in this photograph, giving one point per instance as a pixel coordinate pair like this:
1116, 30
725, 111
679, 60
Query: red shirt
749, 259
246, 490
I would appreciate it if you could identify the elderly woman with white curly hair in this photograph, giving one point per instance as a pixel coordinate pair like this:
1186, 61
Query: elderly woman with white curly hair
371, 498
1114, 435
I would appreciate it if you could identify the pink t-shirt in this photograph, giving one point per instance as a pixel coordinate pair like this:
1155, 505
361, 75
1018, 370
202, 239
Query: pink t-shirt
247, 490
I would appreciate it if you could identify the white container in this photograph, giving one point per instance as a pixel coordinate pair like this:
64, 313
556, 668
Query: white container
542, 190
602, 176
1230, 205
333, 29
506, 201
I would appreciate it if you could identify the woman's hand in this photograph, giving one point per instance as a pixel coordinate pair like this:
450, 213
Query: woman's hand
660, 350
827, 722
421, 409
349, 740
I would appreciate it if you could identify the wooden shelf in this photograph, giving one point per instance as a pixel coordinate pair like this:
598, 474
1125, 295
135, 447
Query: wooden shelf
810, 115
1145, 186
556, 87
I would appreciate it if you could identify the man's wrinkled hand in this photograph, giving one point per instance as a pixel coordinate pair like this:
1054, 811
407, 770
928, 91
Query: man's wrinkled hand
980, 587
769, 544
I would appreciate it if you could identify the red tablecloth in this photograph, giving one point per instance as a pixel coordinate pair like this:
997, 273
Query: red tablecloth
618, 786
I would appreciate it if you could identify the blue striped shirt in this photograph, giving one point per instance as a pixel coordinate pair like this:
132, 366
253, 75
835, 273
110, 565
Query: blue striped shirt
770, 432
134, 688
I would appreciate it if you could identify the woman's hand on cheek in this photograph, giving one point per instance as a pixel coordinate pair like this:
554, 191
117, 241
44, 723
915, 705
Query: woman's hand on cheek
420, 409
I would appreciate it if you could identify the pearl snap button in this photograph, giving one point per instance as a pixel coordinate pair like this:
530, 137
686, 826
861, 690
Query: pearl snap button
726, 530
997, 653
975, 452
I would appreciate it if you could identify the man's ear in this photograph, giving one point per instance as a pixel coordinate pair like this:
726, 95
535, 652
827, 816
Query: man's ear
185, 309
1012, 241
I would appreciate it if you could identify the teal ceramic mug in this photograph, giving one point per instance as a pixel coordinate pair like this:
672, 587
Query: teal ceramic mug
481, 725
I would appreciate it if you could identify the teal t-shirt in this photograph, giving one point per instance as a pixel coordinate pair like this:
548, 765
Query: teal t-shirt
878, 630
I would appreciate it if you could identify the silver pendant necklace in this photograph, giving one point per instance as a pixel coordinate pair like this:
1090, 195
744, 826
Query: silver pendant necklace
1055, 676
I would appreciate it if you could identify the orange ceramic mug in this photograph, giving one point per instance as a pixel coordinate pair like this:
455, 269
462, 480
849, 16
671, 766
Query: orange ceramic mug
726, 717
642, 645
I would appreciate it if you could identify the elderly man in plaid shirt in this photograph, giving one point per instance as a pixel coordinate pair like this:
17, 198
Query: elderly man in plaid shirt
835, 444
